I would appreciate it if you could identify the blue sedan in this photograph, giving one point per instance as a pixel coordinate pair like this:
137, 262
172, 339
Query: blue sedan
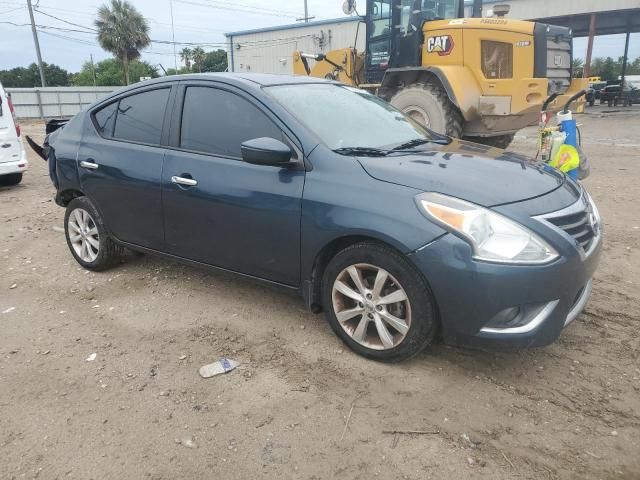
397, 233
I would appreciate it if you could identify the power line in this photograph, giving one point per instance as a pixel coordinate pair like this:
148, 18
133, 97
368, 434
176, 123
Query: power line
73, 39
256, 43
150, 19
252, 7
234, 9
46, 27
65, 21
12, 10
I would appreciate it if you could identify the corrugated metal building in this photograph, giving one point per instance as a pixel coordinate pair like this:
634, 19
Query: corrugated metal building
51, 102
270, 50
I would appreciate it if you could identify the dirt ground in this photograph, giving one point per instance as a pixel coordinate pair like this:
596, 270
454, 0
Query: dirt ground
301, 405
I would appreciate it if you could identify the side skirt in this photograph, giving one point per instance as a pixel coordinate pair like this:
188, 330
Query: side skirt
212, 268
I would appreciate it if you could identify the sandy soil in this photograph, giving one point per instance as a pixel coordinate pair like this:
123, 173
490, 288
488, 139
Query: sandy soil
301, 405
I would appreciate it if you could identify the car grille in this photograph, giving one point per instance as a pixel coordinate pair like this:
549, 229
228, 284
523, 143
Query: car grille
578, 226
579, 221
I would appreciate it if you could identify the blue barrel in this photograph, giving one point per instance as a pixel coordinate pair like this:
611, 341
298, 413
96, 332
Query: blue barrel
571, 129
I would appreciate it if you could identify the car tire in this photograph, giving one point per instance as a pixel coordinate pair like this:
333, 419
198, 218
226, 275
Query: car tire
87, 236
11, 179
428, 104
410, 323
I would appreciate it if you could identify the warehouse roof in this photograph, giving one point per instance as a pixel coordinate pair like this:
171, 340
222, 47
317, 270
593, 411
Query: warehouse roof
331, 21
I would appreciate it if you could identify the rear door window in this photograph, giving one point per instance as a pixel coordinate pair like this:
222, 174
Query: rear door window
218, 122
105, 119
140, 116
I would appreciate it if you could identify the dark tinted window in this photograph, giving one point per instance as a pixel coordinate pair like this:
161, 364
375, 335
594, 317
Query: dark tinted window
140, 116
218, 122
105, 119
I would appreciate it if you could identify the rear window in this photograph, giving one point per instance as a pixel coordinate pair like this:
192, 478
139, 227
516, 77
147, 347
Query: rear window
105, 119
140, 117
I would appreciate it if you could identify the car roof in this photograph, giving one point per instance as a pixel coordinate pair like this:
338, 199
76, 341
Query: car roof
247, 79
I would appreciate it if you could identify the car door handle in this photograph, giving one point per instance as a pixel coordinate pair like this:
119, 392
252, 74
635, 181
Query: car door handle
90, 164
187, 182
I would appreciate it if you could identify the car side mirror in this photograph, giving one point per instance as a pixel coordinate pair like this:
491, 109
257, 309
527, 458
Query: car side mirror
266, 151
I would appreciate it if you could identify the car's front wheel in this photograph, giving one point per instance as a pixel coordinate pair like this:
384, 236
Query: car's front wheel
87, 236
378, 303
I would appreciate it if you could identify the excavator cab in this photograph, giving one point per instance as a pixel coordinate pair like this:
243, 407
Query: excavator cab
394, 32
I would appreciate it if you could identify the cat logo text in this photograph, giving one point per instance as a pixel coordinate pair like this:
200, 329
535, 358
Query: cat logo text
442, 45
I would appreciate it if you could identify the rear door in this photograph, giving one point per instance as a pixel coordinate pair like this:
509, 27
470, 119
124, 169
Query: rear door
10, 147
235, 215
120, 164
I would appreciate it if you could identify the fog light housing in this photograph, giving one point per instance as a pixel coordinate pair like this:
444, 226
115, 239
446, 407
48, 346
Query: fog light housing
520, 319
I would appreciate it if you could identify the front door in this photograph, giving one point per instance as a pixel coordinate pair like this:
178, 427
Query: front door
220, 210
120, 165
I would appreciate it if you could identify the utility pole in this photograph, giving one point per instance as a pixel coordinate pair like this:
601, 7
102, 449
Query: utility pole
35, 40
93, 69
173, 37
306, 17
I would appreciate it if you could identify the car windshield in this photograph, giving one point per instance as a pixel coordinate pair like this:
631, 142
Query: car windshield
344, 117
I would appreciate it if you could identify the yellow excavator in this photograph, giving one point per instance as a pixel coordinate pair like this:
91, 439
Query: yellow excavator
477, 78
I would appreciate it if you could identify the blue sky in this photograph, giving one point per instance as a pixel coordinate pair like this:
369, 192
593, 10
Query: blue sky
195, 21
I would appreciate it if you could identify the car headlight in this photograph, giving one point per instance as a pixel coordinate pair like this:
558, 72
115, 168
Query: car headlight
493, 237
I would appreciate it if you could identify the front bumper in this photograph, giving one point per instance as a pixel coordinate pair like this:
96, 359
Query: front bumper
470, 294
18, 166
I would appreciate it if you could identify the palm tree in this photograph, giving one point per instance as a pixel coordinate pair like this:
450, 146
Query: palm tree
198, 55
123, 31
186, 54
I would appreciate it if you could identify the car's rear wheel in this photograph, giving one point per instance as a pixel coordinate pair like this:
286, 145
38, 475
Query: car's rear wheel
11, 179
378, 303
87, 237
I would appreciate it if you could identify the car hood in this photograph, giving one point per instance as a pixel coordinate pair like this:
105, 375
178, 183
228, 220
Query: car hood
477, 173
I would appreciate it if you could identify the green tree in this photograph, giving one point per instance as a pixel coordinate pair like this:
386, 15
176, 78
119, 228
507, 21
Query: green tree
186, 54
577, 65
29, 77
606, 68
122, 31
109, 73
198, 55
215, 61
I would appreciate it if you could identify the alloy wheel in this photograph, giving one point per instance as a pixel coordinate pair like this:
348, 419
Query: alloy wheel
371, 306
83, 235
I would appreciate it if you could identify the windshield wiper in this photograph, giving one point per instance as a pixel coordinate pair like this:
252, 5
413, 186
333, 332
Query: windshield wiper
362, 151
416, 142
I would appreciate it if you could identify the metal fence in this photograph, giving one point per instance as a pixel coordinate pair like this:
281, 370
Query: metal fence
53, 102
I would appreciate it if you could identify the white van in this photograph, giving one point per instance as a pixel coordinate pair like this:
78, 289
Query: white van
13, 156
